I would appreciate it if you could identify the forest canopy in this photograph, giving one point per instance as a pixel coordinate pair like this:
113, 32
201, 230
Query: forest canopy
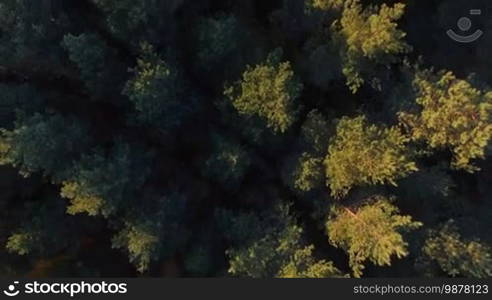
284, 138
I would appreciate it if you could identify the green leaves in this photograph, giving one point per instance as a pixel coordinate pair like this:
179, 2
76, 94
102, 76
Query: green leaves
361, 154
452, 114
268, 91
371, 232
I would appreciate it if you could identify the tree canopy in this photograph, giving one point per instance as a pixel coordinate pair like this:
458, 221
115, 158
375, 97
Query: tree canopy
452, 114
269, 91
259, 139
100, 184
367, 34
464, 257
274, 251
372, 232
158, 91
362, 153
37, 143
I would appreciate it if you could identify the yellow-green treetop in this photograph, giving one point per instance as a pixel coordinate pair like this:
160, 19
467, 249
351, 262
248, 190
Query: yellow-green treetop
308, 173
453, 114
372, 232
369, 33
327, 4
268, 91
361, 154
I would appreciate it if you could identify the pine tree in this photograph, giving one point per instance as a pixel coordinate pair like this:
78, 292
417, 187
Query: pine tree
17, 101
303, 170
303, 264
463, 257
217, 39
199, 261
315, 133
158, 91
143, 20
22, 242
372, 232
308, 173
95, 61
452, 114
141, 241
29, 29
44, 229
228, 162
268, 91
272, 246
153, 232
125, 17
327, 4
101, 184
43, 143
361, 154
368, 35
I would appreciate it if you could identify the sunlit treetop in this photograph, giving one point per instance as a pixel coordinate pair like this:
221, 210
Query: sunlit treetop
362, 154
372, 31
269, 91
327, 4
372, 232
306, 172
369, 33
452, 114
141, 242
